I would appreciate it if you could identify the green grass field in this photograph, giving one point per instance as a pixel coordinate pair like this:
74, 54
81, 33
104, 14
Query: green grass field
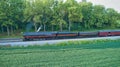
103, 53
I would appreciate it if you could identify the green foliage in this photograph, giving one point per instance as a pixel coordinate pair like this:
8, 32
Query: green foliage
85, 54
11, 14
55, 15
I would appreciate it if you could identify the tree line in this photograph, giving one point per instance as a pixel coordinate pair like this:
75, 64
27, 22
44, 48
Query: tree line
55, 15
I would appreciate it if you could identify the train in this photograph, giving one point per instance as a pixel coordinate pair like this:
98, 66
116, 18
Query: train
29, 36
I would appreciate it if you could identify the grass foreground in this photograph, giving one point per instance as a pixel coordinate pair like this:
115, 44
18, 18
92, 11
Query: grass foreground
99, 53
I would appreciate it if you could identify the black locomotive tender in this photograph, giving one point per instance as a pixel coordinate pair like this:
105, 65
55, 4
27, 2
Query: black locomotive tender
65, 35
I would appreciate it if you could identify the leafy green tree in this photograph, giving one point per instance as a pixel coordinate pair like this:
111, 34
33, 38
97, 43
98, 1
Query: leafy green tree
11, 12
87, 14
70, 4
98, 15
41, 9
59, 12
112, 17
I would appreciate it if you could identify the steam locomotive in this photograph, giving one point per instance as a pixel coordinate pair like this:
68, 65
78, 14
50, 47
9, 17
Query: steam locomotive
28, 36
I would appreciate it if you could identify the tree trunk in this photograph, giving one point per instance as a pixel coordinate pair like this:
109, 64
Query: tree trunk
8, 31
60, 27
35, 25
69, 28
52, 28
11, 29
44, 27
2, 29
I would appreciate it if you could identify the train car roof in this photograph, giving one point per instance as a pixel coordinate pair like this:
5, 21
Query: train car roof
66, 32
38, 33
109, 30
89, 32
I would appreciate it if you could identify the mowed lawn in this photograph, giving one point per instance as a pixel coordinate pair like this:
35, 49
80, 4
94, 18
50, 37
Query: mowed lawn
98, 54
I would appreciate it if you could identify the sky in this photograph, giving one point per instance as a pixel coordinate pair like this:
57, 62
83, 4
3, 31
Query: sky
107, 3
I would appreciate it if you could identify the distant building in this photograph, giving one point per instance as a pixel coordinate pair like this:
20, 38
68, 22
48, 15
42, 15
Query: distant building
84, 0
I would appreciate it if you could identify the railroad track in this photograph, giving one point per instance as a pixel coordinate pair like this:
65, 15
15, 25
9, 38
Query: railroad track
5, 40
43, 42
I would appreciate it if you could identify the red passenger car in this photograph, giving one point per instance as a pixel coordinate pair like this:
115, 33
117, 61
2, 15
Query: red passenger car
109, 33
